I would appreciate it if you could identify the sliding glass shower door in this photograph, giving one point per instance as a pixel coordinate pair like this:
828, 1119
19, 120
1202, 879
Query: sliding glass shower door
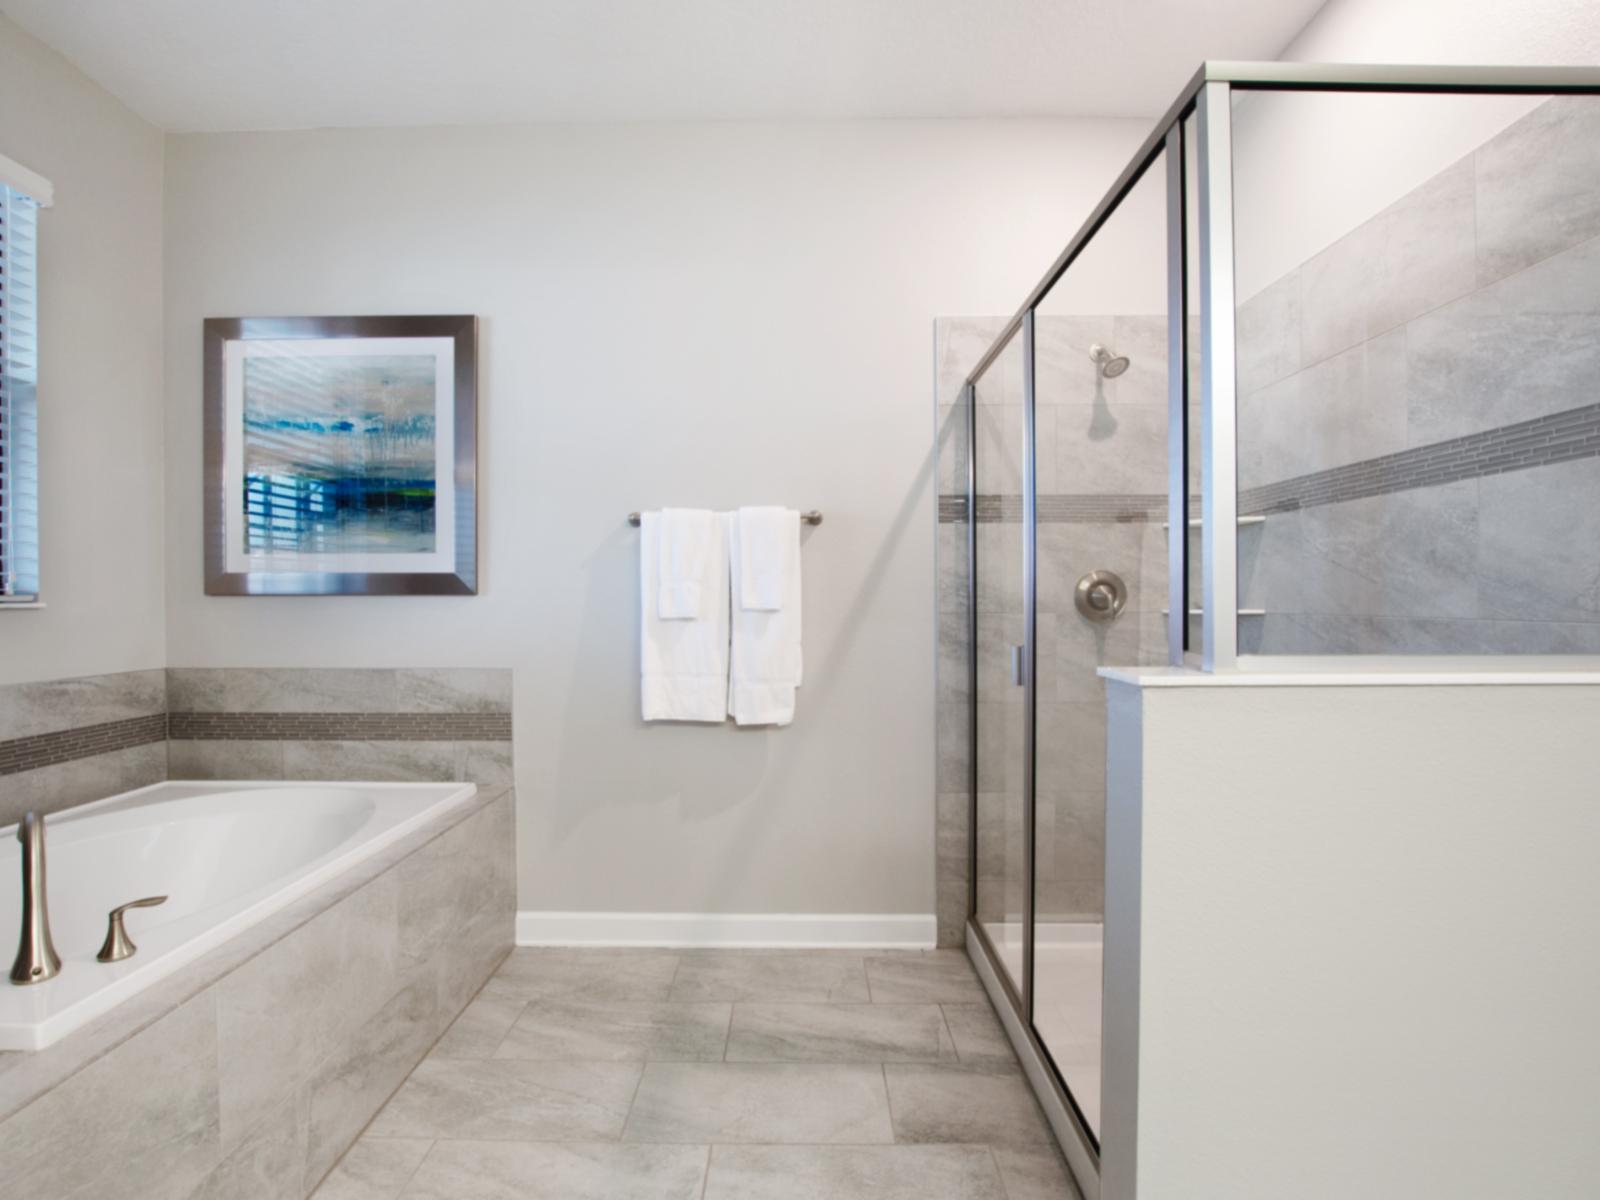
1071, 472
1000, 831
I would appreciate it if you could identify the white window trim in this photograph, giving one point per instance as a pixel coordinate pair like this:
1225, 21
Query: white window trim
30, 183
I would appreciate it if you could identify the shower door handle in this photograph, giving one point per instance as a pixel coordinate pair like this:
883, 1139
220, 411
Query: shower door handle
1019, 669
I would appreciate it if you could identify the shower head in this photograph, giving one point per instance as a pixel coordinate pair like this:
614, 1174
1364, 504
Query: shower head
1111, 365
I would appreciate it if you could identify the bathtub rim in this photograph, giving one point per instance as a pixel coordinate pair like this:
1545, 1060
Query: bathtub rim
27, 1075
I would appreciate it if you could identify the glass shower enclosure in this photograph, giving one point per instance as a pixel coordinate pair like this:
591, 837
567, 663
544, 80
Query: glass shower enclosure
1313, 384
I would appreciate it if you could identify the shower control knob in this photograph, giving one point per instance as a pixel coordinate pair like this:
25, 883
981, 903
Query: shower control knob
1101, 595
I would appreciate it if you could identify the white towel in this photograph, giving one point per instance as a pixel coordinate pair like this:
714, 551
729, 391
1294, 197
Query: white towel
769, 547
684, 663
766, 665
685, 539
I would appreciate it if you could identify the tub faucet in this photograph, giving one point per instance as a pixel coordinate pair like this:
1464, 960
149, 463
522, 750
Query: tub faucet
37, 959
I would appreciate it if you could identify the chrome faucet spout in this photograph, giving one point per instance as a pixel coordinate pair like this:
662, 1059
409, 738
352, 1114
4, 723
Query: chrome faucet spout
37, 959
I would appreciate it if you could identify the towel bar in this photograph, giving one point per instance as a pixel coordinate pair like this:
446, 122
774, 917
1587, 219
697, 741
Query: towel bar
806, 518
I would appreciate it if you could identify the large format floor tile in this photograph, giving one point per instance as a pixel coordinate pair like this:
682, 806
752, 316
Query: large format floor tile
964, 1104
618, 1032
563, 1171
800, 976
532, 1101
930, 977
853, 1173
1034, 1173
714, 1075
760, 1102
586, 975
979, 1039
375, 1169
479, 1030
868, 1033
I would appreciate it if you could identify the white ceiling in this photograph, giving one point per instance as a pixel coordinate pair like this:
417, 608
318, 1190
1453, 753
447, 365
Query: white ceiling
277, 64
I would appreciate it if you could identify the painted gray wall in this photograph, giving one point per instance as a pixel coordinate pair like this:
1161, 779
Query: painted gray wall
692, 315
102, 536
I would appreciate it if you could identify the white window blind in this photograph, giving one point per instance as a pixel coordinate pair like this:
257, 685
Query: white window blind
19, 409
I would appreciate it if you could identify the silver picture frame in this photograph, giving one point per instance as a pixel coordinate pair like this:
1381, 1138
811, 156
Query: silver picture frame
458, 577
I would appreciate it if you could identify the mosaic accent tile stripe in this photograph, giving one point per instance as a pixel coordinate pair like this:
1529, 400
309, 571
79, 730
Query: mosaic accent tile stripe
1096, 508
339, 727
1560, 437
1542, 441
68, 745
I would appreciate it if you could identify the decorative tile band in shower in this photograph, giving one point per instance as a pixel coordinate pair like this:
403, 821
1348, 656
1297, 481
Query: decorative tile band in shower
1560, 437
1094, 508
340, 726
1543, 441
68, 745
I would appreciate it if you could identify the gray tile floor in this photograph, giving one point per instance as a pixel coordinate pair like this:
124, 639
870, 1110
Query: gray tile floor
714, 1075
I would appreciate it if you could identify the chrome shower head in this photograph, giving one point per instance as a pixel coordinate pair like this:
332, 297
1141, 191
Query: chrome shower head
1111, 365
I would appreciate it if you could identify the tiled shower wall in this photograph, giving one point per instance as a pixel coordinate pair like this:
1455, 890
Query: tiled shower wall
66, 742
1101, 450
1419, 415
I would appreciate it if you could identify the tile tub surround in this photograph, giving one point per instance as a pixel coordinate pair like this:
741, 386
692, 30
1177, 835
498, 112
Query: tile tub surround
250, 1071
68, 741
703, 1073
340, 723
1418, 419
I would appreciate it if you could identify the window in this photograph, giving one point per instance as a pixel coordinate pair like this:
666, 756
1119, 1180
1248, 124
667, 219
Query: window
19, 378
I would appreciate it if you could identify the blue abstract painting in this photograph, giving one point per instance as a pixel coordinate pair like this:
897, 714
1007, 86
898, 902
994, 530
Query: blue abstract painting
340, 454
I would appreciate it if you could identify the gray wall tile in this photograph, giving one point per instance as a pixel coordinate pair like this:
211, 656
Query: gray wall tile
1424, 250
324, 983
64, 785
1539, 186
196, 689
380, 761
1334, 288
223, 759
1538, 552
310, 689
469, 689
1268, 334
31, 708
150, 1143
485, 763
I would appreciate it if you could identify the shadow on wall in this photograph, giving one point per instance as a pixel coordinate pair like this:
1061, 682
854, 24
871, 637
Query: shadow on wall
1102, 421
704, 770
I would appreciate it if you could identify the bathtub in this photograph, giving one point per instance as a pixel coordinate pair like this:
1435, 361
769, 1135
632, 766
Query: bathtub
225, 854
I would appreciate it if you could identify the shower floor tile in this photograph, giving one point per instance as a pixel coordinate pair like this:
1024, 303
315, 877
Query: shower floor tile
756, 1075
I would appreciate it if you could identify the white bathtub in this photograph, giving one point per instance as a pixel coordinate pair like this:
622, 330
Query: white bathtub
225, 854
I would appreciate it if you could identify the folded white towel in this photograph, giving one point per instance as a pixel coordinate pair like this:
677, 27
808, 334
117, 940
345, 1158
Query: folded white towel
685, 539
768, 550
766, 665
684, 662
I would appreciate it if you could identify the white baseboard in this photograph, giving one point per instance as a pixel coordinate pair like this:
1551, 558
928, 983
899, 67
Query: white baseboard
879, 931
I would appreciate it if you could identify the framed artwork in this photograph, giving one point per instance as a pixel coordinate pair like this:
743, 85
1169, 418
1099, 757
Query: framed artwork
341, 456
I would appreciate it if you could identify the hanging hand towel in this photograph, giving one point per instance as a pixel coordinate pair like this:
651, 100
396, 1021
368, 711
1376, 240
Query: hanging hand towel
765, 666
767, 545
684, 663
685, 538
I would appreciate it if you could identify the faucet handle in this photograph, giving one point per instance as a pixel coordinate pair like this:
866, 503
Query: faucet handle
118, 945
